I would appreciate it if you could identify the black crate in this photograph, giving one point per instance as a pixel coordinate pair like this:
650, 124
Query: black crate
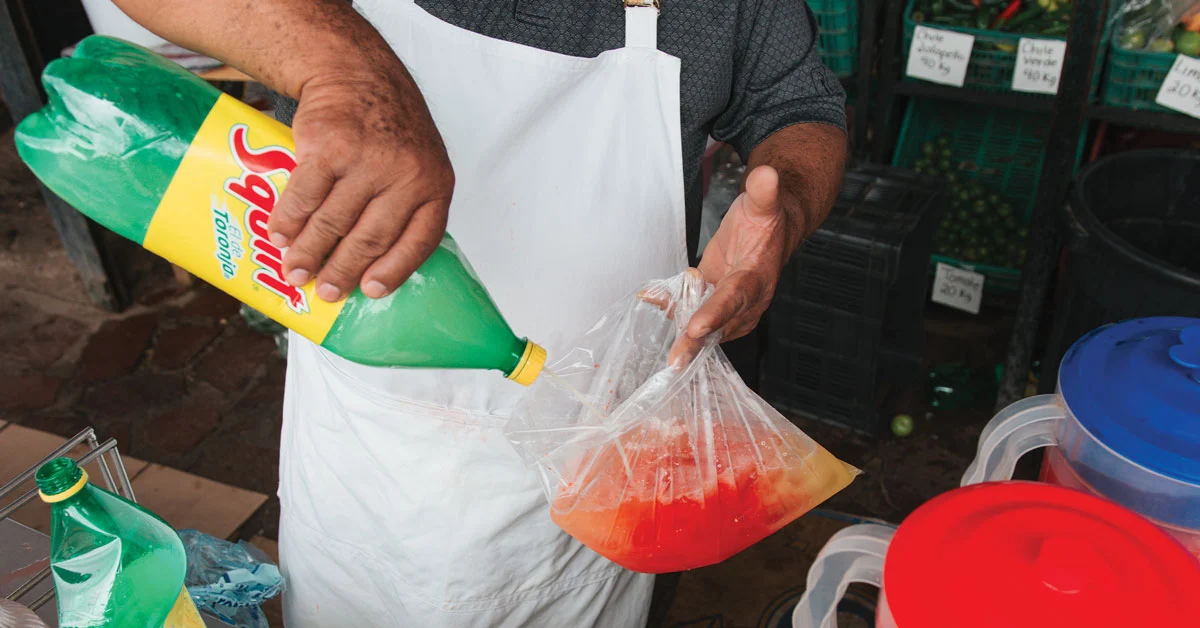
845, 332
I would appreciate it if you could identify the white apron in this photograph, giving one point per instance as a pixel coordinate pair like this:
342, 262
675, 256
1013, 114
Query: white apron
402, 502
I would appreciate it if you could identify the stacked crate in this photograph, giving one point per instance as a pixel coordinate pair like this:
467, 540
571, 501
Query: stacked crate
845, 327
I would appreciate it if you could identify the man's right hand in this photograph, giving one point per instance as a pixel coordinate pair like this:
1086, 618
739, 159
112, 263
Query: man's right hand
368, 200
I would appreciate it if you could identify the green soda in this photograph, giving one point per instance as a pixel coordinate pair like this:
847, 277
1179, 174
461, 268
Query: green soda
115, 564
159, 156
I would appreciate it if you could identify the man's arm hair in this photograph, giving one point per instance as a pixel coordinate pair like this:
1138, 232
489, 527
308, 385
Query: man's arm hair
282, 43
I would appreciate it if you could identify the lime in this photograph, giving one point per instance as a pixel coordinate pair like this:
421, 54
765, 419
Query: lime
929, 149
1132, 40
1188, 43
902, 425
943, 142
1161, 44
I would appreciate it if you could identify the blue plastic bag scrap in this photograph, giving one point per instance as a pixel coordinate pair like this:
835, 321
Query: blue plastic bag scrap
229, 581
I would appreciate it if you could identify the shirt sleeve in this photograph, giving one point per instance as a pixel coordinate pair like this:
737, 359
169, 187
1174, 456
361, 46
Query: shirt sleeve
778, 77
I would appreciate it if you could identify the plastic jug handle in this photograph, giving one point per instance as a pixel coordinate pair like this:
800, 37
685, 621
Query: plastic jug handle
1017, 430
853, 555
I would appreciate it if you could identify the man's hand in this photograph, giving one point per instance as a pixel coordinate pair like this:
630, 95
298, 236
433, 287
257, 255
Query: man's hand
368, 200
743, 260
793, 179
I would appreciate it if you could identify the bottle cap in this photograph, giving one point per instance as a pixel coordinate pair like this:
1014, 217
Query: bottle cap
531, 364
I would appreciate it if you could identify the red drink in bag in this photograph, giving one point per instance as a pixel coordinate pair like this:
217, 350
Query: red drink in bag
634, 503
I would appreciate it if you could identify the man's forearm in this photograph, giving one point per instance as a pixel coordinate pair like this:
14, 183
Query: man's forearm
283, 43
810, 159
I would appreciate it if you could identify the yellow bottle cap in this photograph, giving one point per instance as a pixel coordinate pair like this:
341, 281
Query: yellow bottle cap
67, 494
531, 364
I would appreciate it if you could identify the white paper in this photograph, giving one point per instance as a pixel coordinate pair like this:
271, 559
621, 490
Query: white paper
1039, 65
940, 56
1181, 89
958, 288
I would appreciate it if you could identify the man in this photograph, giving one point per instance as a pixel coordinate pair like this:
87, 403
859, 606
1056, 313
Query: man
561, 141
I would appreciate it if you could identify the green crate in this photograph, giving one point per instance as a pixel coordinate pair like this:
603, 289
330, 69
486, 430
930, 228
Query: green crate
994, 56
837, 40
1134, 78
1002, 148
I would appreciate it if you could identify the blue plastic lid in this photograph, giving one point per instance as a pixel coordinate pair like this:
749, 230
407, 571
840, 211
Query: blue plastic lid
1135, 386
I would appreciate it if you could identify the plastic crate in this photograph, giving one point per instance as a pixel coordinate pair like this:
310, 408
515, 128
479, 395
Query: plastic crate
994, 56
847, 317
1002, 148
992, 59
837, 40
1134, 78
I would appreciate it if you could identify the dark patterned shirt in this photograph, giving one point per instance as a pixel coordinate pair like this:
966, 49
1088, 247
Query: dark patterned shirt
749, 67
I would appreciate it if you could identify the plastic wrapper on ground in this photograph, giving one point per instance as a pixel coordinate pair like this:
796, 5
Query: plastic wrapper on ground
228, 580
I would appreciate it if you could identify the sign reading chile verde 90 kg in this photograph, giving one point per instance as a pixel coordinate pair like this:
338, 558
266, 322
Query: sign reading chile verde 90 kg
213, 218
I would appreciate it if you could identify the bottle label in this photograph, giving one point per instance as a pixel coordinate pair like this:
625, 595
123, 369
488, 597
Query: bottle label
213, 218
184, 613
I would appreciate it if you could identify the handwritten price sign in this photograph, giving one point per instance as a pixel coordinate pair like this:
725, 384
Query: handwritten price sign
958, 288
1039, 65
1181, 89
940, 56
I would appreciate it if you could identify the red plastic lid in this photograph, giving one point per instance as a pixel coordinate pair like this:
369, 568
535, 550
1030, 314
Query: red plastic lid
1029, 555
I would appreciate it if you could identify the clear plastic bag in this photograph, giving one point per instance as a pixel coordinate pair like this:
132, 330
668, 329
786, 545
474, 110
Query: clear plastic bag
664, 468
230, 581
1149, 24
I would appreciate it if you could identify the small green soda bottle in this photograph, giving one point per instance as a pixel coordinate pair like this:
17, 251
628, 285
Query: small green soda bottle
115, 564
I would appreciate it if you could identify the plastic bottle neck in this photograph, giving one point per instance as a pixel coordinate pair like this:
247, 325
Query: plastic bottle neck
60, 479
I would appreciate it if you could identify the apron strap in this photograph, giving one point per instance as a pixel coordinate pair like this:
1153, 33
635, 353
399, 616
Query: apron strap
641, 23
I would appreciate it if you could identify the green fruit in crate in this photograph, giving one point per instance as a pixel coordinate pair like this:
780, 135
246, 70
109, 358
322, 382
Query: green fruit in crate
944, 165
1161, 44
902, 425
1132, 40
942, 142
929, 149
1188, 43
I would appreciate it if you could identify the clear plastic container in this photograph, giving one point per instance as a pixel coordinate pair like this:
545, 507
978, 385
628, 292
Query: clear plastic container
1123, 424
1007, 554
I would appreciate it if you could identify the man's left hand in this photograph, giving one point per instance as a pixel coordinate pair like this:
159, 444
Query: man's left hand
743, 260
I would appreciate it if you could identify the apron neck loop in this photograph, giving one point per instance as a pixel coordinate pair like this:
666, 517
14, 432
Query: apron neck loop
641, 23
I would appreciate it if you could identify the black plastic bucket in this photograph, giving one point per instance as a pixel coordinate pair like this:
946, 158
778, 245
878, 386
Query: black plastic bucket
1132, 245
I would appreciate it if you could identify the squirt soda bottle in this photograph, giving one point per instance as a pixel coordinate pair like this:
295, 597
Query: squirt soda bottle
114, 563
159, 156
